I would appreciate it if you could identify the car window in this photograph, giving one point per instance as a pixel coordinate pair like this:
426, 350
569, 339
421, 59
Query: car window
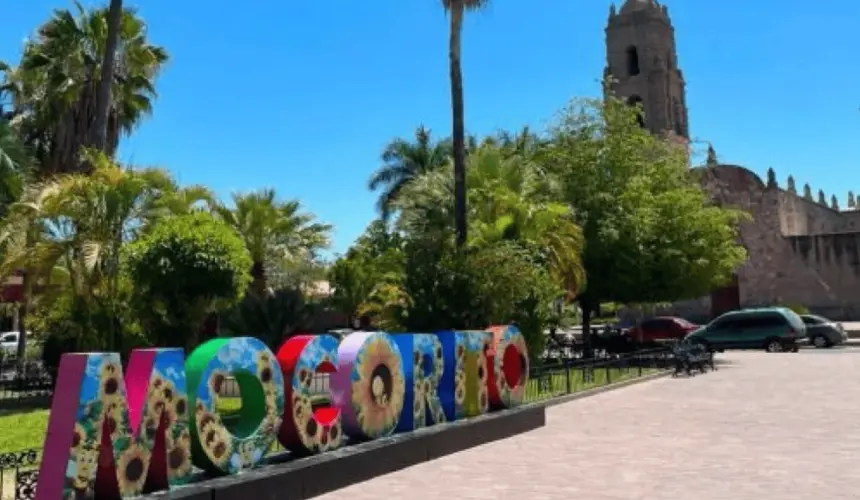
648, 324
763, 321
793, 319
722, 324
811, 320
656, 324
9, 337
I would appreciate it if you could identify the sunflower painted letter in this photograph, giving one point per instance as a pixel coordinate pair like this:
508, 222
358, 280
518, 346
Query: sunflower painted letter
508, 359
368, 386
140, 420
306, 429
422, 369
217, 448
463, 387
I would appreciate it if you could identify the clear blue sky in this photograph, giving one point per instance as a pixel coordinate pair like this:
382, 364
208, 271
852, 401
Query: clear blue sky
302, 96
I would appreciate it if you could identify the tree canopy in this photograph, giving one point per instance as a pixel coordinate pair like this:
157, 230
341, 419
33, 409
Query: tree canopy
593, 209
186, 267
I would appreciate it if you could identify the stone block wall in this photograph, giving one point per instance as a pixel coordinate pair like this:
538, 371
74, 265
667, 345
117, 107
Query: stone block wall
835, 260
850, 220
792, 268
800, 216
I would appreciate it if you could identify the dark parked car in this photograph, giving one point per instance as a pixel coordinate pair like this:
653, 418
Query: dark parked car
777, 329
823, 332
662, 328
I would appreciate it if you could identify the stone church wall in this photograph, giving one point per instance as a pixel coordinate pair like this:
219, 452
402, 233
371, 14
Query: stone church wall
835, 258
818, 272
851, 220
800, 216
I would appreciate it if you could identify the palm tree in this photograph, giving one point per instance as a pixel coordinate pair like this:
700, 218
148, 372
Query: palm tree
114, 17
271, 227
457, 9
14, 163
508, 201
403, 162
525, 142
70, 230
54, 89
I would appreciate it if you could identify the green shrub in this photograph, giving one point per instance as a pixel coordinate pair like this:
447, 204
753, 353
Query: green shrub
73, 324
186, 267
474, 288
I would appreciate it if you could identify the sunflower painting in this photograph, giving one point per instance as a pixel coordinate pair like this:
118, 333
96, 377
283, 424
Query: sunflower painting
103, 408
307, 430
432, 366
369, 385
472, 388
423, 367
510, 367
215, 447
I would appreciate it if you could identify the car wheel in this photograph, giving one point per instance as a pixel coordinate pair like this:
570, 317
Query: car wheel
820, 342
773, 345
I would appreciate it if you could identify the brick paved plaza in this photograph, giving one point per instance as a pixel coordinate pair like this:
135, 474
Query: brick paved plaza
766, 426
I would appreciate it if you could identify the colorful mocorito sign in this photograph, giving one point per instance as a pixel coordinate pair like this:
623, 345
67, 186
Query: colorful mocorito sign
217, 448
306, 429
117, 433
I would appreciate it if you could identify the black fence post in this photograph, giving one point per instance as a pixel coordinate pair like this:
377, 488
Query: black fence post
608, 371
568, 387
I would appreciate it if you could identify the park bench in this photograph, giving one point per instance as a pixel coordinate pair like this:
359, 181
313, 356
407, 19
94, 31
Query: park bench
691, 357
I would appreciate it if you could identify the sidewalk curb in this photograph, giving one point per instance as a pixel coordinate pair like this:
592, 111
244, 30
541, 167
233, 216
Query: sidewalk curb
567, 398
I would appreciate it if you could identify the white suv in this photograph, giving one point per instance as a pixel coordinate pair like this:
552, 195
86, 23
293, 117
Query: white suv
9, 343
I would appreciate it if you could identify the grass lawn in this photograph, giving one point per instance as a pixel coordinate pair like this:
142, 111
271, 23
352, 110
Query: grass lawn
22, 429
25, 429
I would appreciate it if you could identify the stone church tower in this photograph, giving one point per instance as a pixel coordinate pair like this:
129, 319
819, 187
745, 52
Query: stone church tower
643, 63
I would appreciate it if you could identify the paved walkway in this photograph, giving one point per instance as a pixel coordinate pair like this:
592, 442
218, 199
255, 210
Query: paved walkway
766, 426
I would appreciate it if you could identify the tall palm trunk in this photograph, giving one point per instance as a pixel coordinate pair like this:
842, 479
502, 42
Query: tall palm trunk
459, 130
103, 97
259, 279
23, 311
24, 306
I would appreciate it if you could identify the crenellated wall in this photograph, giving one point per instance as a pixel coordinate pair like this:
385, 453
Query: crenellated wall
800, 216
835, 258
851, 220
800, 252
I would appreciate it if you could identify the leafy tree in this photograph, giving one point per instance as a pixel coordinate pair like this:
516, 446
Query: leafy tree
652, 235
272, 319
185, 268
54, 88
65, 237
375, 260
15, 162
387, 305
351, 285
457, 10
476, 287
524, 143
273, 229
403, 162
510, 199
300, 272
74, 323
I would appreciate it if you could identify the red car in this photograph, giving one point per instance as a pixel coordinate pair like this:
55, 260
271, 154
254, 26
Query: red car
662, 328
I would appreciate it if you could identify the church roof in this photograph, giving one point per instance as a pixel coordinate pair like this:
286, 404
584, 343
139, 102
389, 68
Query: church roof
634, 5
